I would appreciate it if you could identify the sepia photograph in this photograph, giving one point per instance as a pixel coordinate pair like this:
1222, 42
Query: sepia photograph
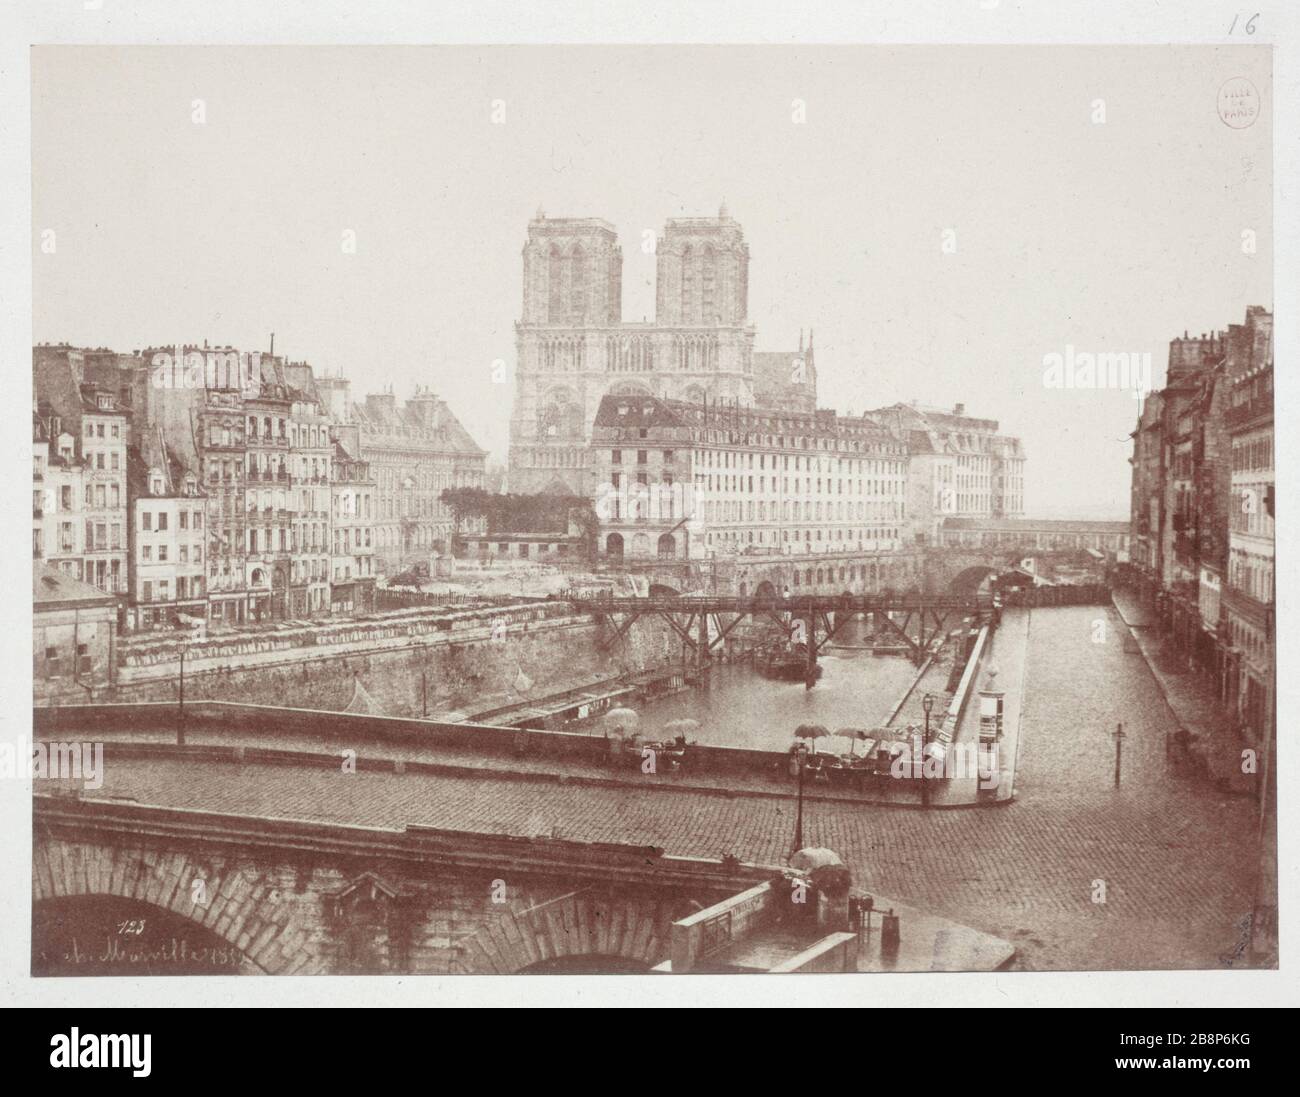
649, 509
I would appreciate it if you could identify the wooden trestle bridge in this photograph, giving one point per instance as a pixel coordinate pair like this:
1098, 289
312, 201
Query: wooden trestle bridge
913, 619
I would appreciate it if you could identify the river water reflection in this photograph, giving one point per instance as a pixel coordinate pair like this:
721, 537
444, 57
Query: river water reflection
741, 708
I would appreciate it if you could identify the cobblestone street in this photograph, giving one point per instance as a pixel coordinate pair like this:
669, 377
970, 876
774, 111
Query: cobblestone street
1175, 854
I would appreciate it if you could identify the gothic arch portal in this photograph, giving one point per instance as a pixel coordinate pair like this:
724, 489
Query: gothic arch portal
560, 416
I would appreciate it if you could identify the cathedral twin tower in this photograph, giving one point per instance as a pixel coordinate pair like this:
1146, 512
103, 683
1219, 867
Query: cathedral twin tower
575, 348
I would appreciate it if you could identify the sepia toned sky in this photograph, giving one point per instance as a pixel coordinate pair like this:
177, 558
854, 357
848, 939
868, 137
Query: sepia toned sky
1107, 236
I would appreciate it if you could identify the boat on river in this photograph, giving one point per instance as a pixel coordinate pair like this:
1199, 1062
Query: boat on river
788, 664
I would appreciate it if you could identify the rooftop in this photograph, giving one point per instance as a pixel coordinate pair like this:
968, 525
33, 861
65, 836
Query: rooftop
53, 589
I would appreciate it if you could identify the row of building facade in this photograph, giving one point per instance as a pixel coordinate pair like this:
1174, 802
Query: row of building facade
1203, 511
672, 479
200, 484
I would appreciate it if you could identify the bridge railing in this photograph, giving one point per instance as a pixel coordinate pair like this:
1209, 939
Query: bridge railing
741, 603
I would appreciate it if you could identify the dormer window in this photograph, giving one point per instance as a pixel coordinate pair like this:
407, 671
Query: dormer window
104, 402
155, 482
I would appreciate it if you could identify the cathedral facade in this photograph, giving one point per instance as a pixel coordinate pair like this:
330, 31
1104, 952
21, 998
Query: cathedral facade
574, 348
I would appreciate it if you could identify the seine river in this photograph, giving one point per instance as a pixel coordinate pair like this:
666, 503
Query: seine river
741, 708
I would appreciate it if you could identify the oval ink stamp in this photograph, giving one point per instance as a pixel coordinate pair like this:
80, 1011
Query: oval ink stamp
1238, 103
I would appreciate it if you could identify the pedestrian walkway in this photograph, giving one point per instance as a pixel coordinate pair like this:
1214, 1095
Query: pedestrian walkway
1210, 734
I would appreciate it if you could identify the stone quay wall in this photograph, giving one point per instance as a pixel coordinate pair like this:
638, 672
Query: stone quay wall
506, 656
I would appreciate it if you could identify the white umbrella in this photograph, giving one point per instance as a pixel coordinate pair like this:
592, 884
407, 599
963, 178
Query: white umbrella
814, 857
623, 719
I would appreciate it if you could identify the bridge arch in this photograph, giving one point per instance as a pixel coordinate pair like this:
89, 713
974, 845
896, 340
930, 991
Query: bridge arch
585, 931
765, 589
112, 935
971, 579
243, 912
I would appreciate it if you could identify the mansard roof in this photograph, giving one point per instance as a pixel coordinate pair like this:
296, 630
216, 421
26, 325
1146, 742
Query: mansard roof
384, 417
642, 412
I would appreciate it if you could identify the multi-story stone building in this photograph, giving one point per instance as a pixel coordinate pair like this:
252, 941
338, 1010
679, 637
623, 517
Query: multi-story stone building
311, 456
58, 492
241, 584
1007, 473
105, 426
269, 504
352, 498
1146, 497
252, 434
959, 466
1202, 509
74, 628
415, 452
672, 479
1249, 616
168, 542
99, 423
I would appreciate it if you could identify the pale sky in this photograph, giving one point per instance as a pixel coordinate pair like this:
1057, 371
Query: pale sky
1110, 236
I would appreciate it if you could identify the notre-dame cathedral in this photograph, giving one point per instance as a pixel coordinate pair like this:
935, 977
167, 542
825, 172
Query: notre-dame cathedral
574, 346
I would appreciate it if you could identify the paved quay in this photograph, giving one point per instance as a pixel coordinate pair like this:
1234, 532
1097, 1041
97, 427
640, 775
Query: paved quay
466, 762
1190, 696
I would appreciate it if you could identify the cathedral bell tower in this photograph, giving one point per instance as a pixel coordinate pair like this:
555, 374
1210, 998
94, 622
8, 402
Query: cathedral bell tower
702, 276
573, 296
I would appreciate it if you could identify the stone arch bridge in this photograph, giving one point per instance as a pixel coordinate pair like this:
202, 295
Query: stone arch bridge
923, 570
122, 888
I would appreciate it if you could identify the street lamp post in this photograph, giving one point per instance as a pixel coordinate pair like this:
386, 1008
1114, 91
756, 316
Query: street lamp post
798, 817
1119, 738
180, 714
927, 703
